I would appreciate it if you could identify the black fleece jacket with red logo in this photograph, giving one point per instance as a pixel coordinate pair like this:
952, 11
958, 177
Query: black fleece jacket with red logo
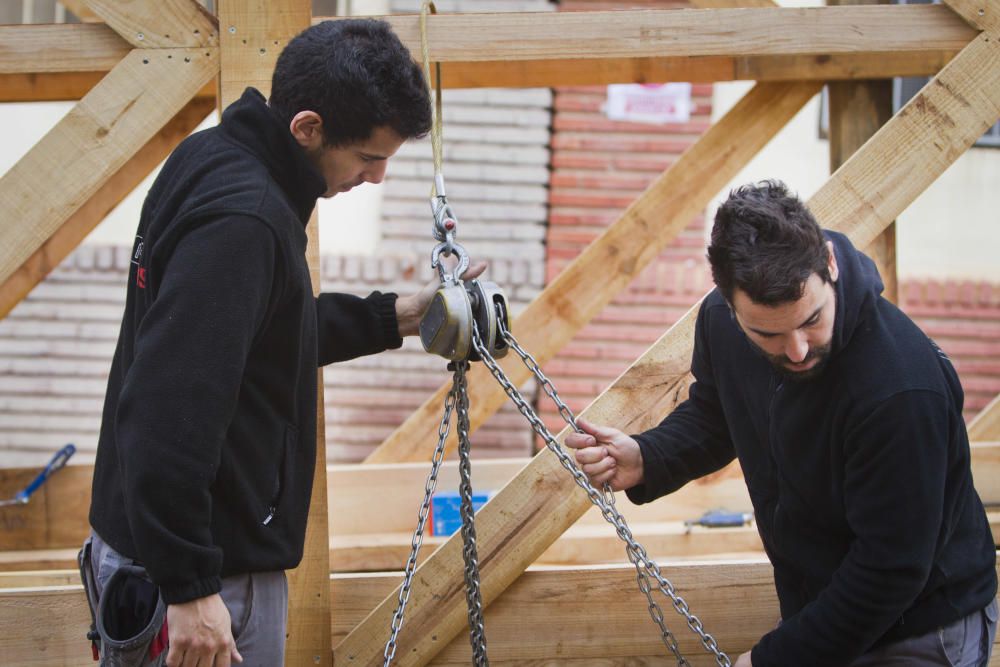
208, 442
860, 477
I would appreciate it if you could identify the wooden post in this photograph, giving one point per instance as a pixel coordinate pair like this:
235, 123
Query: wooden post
857, 110
253, 33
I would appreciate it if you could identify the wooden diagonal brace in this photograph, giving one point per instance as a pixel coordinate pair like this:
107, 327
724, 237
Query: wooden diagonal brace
159, 24
981, 14
95, 139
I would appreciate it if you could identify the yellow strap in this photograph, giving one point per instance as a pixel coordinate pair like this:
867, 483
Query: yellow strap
435, 90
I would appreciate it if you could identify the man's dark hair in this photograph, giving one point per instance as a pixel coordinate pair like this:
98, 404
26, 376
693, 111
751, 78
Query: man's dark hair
766, 243
357, 75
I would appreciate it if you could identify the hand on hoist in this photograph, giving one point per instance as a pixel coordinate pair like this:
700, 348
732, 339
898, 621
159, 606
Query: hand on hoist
607, 456
409, 309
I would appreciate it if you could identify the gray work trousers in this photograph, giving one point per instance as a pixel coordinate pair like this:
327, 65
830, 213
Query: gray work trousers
257, 603
968, 642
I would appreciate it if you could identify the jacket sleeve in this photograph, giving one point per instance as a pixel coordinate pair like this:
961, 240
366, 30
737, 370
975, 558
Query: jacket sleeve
693, 440
180, 394
351, 326
895, 468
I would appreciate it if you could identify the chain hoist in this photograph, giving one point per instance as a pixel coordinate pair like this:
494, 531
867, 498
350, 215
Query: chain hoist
469, 322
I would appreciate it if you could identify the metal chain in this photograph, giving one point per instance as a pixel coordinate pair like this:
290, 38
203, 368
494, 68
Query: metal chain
457, 387
645, 568
473, 597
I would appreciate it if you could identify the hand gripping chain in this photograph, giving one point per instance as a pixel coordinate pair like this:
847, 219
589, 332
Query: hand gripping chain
647, 571
644, 566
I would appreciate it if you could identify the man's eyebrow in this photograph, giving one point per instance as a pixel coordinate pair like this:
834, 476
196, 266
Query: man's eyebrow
814, 315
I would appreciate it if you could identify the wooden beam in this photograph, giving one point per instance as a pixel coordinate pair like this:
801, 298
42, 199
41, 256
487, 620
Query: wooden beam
62, 86
78, 225
618, 255
65, 47
376, 500
575, 617
857, 110
80, 10
95, 139
687, 33
560, 602
158, 24
986, 424
253, 32
981, 14
529, 514
49, 52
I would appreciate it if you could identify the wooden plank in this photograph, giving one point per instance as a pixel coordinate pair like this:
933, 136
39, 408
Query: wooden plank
688, 32
76, 227
618, 255
253, 32
65, 47
527, 516
157, 24
981, 14
50, 52
95, 139
60, 86
373, 500
857, 110
590, 616
581, 544
986, 425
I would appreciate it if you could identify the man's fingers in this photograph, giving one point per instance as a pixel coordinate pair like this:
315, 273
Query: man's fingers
590, 455
474, 270
599, 468
235, 655
580, 440
602, 433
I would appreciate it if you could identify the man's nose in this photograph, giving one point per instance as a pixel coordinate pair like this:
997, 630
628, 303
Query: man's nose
797, 347
376, 172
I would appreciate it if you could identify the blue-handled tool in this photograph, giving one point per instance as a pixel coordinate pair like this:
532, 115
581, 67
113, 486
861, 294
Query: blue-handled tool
57, 462
720, 519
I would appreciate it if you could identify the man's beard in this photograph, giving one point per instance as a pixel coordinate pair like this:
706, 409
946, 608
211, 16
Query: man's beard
779, 361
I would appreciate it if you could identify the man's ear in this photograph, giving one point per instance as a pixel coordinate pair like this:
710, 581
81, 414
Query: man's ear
832, 262
307, 128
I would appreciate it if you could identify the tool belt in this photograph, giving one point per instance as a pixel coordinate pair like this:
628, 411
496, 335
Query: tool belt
128, 618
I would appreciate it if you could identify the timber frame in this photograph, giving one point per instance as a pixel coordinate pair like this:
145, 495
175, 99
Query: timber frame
143, 73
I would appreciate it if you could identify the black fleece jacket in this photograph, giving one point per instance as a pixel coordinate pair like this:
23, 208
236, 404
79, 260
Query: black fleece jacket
208, 441
859, 478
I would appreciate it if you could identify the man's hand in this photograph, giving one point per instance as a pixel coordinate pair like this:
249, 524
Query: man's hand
200, 633
607, 455
410, 309
743, 661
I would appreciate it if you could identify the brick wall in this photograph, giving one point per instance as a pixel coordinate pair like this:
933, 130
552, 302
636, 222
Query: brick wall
599, 167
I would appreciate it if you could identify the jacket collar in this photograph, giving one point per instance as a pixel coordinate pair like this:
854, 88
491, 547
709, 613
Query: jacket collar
252, 124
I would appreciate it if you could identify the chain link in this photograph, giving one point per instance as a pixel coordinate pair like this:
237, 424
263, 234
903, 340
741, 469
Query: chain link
603, 499
473, 597
418, 535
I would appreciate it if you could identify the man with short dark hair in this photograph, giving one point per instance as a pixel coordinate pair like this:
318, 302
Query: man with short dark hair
208, 443
847, 422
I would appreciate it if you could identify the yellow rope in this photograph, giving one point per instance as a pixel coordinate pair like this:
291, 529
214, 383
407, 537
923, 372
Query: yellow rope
435, 90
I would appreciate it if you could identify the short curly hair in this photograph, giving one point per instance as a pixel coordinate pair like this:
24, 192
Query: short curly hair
766, 243
357, 75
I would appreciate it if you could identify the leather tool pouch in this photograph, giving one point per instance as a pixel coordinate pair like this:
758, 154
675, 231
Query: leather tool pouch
129, 628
